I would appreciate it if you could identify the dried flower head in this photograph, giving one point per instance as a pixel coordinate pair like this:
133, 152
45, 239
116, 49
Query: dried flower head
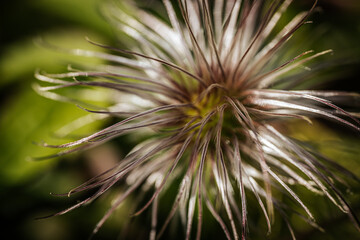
209, 90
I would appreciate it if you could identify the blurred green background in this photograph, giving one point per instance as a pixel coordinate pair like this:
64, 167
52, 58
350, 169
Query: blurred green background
26, 117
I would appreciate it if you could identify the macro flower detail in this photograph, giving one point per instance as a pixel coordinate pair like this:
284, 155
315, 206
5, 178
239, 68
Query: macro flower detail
209, 91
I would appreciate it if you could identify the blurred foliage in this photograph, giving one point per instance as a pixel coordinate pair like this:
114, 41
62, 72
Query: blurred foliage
26, 117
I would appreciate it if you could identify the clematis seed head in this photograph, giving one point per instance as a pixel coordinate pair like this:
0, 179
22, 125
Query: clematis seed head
210, 88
